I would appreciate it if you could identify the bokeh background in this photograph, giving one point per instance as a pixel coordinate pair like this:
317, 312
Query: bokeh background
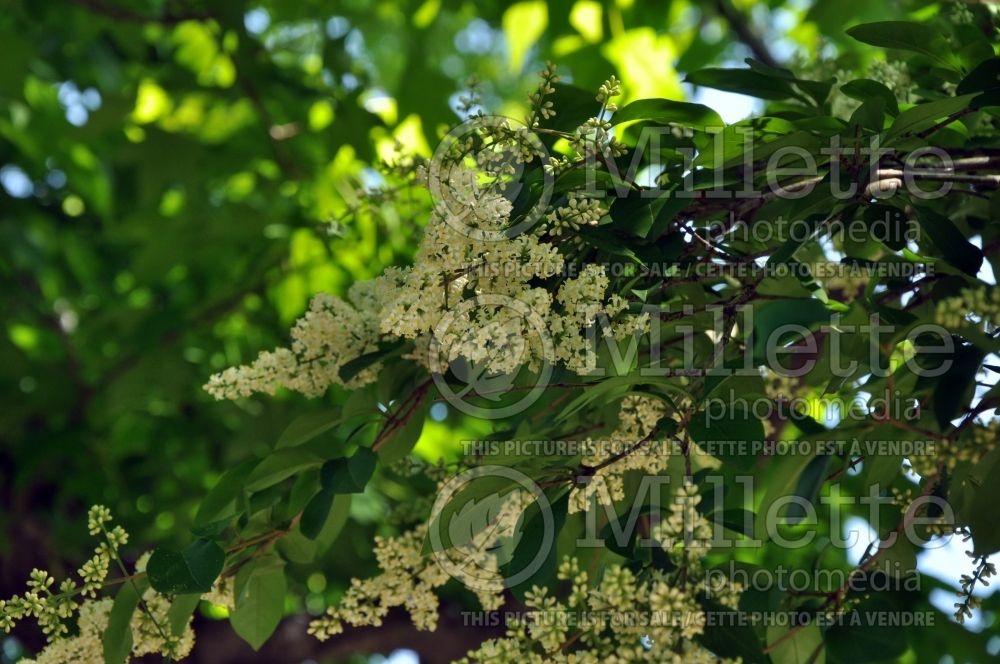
177, 178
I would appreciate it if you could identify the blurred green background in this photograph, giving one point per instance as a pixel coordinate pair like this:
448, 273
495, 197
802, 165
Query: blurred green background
178, 178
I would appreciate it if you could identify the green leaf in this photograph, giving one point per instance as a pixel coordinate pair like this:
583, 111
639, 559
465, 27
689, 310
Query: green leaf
316, 512
260, 600
222, 501
668, 111
781, 480
870, 115
772, 316
303, 550
923, 116
353, 367
887, 224
180, 612
406, 436
635, 213
533, 534
729, 425
864, 89
792, 244
985, 76
906, 36
954, 389
573, 105
950, 241
729, 636
803, 647
605, 240
117, 638
743, 81
863, 639
736, 519
306, 427
817, 90
279, 465
192, 571
348, 475
985, 498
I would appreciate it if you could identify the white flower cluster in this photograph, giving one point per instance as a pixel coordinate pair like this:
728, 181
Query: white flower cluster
468, 295
86, 646
637, 418
409, 578
894, 75
406, 580
960, 14
330, 334
620, 619
223, 593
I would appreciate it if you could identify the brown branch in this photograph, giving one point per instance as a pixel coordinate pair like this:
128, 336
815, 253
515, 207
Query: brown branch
741, 26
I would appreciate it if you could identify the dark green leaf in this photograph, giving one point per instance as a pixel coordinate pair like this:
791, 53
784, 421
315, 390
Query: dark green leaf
353, 367
534, 531
192, 571
804, 646
864, 638
864, 89
727, 635
985, 76
906, 36
298, 548
315, 514
728, 433
950, 241
743, 81
348, 475
955, 387
668, 111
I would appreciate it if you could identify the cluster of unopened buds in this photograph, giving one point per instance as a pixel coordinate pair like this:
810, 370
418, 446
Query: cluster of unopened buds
610, 88
578, 212
954, 312
541, 109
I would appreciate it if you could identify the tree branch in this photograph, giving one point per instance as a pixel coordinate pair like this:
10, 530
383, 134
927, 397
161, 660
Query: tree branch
741, 26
